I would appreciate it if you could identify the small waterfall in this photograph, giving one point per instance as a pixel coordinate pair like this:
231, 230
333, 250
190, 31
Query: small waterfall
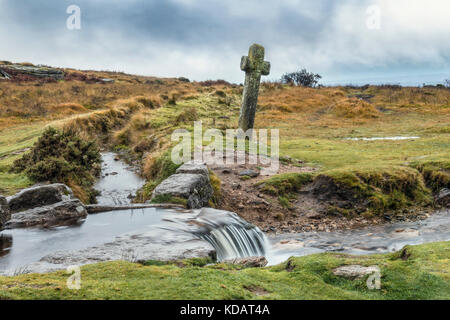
231, 236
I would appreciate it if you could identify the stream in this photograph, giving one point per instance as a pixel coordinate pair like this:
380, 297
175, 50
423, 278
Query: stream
164, 233
118, 183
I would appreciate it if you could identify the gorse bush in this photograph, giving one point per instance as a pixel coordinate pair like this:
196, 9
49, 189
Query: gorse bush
62, 156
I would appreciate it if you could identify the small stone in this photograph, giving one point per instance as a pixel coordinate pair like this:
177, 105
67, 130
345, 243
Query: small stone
249, 173
314, 215
113, 173
226, 171
236, 186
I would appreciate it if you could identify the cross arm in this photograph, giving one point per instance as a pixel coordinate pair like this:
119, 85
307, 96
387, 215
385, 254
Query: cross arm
265, 68
245, 64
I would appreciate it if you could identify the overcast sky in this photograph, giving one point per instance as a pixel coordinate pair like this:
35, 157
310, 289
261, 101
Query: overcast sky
343, 40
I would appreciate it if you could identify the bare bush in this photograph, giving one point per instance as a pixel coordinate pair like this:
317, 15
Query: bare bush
301, 78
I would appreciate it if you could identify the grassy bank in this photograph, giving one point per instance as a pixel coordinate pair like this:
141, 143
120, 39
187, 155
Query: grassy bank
416, 272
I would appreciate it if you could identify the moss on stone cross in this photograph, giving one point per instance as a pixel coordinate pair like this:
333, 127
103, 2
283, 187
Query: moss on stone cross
254, 66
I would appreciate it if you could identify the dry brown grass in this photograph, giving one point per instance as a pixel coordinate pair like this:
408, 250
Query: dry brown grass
50, 101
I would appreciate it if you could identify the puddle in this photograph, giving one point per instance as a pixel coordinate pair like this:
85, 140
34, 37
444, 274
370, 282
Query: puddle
383, 138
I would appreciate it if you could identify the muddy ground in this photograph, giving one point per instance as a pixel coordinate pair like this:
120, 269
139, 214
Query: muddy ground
309, 211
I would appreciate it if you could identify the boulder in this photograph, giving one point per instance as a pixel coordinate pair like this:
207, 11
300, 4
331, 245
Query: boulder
443, 198
250, 262
39, 196
355, 271
5, 213
57, 213
195, 188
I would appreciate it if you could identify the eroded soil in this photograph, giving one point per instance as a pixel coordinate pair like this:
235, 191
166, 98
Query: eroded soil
309, 211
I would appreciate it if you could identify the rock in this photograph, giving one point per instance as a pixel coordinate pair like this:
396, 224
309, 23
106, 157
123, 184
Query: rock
314, 215
4, 75
249, 173
443, 198
235, 186
5, 213
193, 168
251, 262
39, 196
53, 214
226, 171
35, 71
195, 188
355, 271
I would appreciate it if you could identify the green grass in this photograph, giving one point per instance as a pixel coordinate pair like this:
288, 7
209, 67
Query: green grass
423, 275
15, 139
285, 184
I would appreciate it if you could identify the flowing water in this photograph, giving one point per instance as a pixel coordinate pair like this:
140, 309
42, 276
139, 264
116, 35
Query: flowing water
159, 232
372, 239
119, 182
231, 236
23, 246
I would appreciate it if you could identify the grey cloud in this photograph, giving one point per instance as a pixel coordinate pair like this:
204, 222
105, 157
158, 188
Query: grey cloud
205, 38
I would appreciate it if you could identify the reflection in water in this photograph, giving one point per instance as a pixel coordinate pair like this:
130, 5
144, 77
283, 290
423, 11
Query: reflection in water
6, 242
31, 244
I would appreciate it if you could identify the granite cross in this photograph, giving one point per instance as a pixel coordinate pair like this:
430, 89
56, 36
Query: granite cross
254, 66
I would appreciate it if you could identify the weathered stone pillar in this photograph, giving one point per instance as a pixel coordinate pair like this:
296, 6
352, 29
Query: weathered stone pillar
254, 66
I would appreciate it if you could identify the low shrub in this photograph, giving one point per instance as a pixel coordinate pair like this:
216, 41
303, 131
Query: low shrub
62, 156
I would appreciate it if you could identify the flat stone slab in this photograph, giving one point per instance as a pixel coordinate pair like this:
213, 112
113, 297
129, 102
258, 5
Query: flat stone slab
134, 247
176, 239
355, 271
98, 208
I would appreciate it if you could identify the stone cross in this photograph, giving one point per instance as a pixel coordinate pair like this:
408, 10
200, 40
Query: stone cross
254, 66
